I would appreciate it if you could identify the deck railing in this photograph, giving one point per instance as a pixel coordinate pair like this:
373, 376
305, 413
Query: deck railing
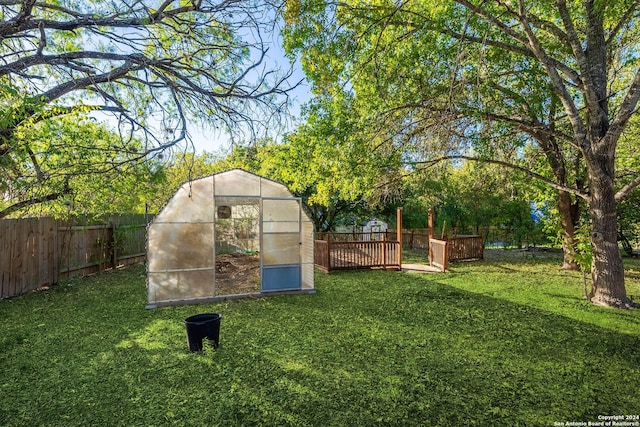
339, 251
330, 255
438, 253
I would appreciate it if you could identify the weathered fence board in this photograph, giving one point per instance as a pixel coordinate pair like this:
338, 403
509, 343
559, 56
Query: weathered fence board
412, 239
322, 257
27, 260
85, 249
38, 252
465, 247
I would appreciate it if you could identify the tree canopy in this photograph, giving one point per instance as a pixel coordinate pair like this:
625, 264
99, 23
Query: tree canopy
82, 168
477, 80
154, 66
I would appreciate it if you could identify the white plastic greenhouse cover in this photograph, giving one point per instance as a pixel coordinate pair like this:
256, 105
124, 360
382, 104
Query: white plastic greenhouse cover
233, 211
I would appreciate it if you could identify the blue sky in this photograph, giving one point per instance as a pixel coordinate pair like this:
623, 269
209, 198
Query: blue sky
206, 140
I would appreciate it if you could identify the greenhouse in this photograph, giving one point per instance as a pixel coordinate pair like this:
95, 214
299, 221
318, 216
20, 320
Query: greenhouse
229, 235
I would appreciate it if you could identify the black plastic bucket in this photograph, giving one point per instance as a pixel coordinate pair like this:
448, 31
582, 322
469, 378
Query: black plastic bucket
201, 326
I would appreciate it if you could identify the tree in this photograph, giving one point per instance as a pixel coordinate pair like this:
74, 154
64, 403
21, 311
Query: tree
179, 169
323, 162
628, 163
476, 196
82, 168
483, 80
151, 65
328, 163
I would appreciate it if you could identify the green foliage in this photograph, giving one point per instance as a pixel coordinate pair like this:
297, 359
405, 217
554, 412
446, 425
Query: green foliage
628, 162
325, 162
181, 168
540, 87
91, 169
152, 67
474, 198
502, 342
328, 157
583, 253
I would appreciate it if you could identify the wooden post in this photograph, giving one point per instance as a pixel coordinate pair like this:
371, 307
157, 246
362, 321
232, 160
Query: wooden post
445, 256
328, 237
399, 235
114, 255
429, 234
384, 251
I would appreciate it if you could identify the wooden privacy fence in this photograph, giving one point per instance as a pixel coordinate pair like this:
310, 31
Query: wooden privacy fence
411, 239
351, 255
37, 252
465, 247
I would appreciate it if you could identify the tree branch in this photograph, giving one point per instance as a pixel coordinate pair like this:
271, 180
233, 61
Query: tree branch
532, 174
65, 59
562, 36
571, 74
626, 110
43, 40
488, 17
72, 85
591, 97
34, 201
25, 22
628, 188
624, 20
579, 129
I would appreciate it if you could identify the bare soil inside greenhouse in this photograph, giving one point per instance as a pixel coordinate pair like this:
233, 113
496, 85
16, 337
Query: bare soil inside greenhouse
237, 274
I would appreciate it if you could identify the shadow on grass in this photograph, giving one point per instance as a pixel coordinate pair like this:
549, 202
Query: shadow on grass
370, 348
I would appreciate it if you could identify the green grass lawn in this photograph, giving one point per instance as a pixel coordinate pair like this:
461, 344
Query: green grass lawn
503, 342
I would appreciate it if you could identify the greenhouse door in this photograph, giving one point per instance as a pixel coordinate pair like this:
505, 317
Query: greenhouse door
280, 244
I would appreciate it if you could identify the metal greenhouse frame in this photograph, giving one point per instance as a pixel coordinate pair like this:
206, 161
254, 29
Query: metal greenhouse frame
229, 235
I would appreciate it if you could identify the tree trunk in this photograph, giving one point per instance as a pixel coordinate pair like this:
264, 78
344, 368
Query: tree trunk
568, 212
568, 223
607, 270
599, 153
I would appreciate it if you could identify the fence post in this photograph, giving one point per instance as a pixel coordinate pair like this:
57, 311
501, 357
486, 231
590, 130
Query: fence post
384, 251
328, 236
114, 255
446, 256
399, 235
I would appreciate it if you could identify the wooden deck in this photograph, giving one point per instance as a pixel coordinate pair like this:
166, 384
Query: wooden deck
420, 268
345, 254
350, 255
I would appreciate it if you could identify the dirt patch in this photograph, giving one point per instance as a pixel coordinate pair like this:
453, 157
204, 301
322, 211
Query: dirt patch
237, 274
